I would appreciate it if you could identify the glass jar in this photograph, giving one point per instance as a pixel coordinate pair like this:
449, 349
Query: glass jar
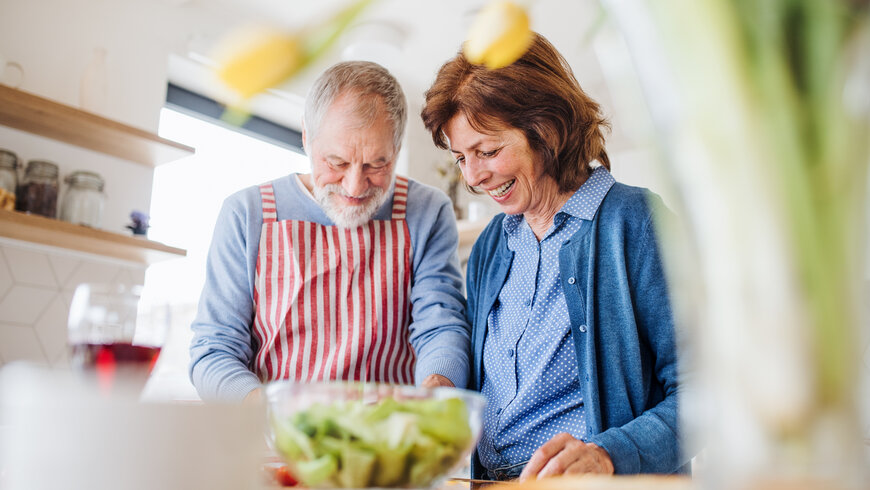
84, 199
37, 192
8, 179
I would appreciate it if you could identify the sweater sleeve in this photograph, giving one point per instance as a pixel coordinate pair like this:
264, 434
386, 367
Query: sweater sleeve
651, 442
439, 332
221, 349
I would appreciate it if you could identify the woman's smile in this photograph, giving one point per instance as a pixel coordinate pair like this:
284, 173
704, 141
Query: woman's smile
503, 189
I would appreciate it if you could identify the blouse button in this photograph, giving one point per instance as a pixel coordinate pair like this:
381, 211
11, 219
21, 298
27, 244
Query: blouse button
571, 280
583, 328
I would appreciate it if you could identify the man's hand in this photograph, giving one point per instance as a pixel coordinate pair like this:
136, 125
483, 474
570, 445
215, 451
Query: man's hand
436, 380
563, 454
255, 396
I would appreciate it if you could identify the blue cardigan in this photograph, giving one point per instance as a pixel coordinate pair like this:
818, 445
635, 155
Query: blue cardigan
621, 323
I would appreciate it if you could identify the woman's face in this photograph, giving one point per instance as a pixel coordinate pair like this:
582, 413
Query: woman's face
502, 164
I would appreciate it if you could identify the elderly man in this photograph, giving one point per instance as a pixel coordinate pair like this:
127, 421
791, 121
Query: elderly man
349, 272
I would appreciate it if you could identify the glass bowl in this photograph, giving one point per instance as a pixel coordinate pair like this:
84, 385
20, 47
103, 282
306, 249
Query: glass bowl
370, 435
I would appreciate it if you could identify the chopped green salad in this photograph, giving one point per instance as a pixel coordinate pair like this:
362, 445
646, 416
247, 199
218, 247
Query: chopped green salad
391, 443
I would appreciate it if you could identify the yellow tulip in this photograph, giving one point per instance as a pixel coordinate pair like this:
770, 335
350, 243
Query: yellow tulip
499, 35
253, 59
262, 59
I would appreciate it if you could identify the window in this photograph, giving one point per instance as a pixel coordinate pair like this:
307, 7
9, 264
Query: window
186, 197
187, 194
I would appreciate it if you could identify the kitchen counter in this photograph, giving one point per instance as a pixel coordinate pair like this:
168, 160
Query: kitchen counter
603, 482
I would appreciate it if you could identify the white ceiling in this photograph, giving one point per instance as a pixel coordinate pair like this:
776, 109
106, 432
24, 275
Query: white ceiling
433, 30
430, 32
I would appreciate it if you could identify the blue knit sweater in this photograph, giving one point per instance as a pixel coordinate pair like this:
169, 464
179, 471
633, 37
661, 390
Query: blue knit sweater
621, 324
222, 346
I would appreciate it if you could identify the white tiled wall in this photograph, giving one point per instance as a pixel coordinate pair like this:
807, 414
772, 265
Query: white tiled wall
36, 287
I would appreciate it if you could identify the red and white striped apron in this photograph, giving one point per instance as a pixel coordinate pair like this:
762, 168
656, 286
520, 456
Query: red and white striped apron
334, 303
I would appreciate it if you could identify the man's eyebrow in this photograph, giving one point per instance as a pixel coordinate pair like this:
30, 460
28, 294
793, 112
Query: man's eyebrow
332, 158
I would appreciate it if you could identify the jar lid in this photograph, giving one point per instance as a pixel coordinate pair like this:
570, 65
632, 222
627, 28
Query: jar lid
42, 168
85, 179
8, 159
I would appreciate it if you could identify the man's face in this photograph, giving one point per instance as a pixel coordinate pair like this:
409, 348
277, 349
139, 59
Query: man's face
352, 163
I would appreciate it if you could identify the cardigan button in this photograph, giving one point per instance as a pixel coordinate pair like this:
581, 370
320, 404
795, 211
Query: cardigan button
583, 328
571, 280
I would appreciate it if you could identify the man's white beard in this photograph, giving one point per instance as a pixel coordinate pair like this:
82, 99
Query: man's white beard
349, 216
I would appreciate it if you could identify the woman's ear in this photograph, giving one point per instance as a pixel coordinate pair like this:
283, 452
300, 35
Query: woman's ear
304, 139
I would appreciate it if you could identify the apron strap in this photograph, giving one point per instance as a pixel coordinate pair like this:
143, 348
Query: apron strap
267, 194
400, 197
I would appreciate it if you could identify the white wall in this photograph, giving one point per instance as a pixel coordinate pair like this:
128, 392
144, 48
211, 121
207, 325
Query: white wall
128, 185
36, 288
54, 40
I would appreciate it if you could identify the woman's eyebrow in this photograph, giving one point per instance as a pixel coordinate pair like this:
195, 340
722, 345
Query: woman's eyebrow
475, 146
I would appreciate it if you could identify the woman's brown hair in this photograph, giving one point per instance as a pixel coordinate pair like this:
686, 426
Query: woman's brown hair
538, 95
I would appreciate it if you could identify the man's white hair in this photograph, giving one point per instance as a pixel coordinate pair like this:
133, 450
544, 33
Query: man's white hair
374, 87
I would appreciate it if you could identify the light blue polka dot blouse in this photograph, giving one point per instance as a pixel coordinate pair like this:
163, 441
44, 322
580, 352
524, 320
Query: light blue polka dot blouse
530, 368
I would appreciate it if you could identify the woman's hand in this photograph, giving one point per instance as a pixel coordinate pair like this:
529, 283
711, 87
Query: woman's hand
563, 454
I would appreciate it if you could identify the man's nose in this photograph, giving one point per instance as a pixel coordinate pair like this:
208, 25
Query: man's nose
354, 181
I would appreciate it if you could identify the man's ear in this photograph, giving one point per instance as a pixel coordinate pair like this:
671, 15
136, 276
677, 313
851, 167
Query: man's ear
304, 139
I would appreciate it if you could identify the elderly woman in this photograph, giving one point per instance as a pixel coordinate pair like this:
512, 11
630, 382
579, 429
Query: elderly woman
572, 332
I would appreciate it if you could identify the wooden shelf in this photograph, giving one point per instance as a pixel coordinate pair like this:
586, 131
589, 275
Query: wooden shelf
44, 117
56, 233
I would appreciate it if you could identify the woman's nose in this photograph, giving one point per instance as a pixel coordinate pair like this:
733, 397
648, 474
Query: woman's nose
473, 172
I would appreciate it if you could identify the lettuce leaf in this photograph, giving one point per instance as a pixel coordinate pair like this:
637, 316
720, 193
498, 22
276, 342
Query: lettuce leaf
391, 443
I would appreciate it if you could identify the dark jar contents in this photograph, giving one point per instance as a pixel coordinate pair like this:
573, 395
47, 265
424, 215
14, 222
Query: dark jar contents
37, 192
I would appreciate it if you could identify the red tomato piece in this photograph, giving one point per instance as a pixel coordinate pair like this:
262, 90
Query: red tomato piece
283, 476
